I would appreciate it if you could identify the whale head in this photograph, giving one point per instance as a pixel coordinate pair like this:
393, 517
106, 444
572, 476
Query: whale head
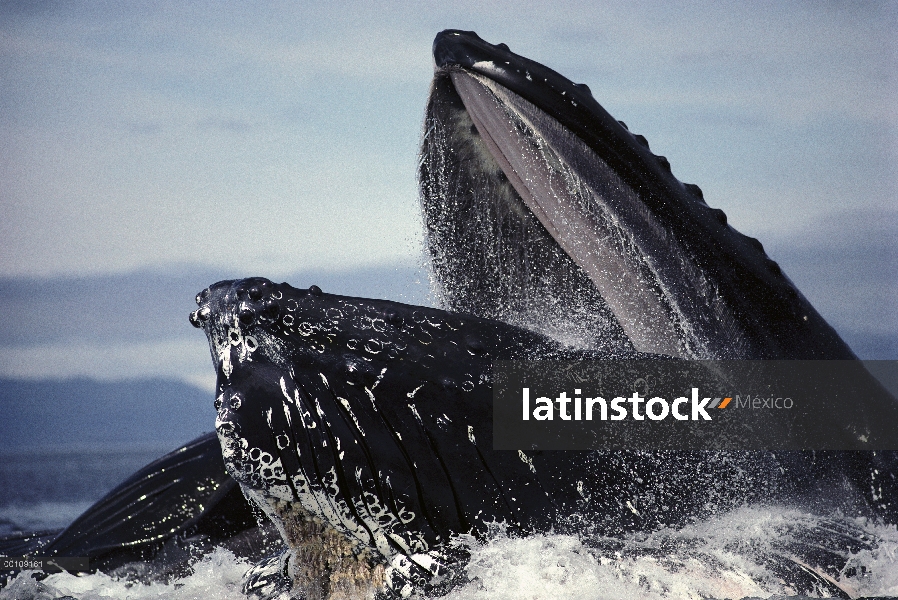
366, 423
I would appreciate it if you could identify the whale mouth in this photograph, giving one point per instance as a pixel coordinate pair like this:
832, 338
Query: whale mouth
542, 210
364, 430
554, 234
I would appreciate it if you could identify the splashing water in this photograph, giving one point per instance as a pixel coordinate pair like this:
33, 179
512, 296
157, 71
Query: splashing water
217, 576
727, 556
723, 557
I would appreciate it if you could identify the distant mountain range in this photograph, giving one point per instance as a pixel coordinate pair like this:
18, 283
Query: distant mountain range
156, 414
104, 360
83, 413
150, 305
134, 325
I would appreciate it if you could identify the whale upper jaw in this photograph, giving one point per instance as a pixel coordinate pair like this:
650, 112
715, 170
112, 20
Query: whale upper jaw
280, 423
537, 203
353, 424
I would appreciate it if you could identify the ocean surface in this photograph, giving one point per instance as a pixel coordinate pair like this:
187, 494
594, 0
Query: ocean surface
48, 489
722, 557
704, 560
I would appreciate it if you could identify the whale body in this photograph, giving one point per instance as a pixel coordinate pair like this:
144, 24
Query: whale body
554, 233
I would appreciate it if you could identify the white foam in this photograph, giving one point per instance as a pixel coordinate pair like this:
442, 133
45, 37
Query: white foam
216, 577
717, 558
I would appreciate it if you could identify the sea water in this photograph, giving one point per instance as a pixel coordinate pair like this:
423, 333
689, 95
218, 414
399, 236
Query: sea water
703, 560
46, 489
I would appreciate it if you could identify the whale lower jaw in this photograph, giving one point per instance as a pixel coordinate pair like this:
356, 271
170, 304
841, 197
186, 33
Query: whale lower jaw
538, 203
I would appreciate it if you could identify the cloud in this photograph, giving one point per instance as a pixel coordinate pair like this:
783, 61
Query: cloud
148, 134
269, 139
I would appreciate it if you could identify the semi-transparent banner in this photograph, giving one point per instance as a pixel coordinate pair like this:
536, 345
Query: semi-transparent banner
694, 405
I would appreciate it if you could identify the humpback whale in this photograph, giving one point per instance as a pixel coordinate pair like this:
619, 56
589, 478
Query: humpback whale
368, 423
362, 429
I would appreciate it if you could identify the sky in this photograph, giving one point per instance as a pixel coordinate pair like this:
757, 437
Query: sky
147, 146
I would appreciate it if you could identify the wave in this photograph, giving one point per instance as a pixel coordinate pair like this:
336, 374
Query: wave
733, 555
